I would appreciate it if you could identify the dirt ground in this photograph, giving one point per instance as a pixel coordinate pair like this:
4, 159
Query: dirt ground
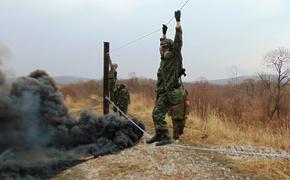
150, 162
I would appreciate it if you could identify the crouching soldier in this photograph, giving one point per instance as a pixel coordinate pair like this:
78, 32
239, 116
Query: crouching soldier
121, 98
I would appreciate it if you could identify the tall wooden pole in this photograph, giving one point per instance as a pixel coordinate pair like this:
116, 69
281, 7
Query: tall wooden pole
105, 79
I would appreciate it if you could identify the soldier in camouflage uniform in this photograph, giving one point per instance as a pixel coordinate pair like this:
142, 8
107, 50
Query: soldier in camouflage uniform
121, 98
178, 115
112, 77
167, 81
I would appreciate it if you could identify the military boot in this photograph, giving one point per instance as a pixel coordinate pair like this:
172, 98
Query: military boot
176, 134
176, 129
156, 137
181, 126
165, 138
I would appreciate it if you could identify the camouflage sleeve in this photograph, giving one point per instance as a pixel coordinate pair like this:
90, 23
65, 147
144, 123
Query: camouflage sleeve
177, 48
159, 74
178, 40
159, 78
110, 61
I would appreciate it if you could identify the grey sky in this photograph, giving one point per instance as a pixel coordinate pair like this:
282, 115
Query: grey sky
65, 37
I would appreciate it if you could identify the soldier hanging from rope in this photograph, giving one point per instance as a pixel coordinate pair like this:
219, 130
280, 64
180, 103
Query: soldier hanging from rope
112, 77
168, 84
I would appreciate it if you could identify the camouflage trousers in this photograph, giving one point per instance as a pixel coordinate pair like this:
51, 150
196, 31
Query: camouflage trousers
111, 89
178, 127
162, 106
122, 107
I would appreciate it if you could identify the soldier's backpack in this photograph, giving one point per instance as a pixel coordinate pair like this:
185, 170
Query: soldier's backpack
181, 109
177, 96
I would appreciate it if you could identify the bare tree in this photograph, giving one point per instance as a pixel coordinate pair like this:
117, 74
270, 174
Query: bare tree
278, 61
235, 95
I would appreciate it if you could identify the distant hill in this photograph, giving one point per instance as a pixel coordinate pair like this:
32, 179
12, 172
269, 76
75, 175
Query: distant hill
69, 79
73, 79
237, 80
240, 79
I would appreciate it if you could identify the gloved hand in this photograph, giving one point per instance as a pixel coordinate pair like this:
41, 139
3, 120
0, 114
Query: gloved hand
177, 15
182, 72
164, 29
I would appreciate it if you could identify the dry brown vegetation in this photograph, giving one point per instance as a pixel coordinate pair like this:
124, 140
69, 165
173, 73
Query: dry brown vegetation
234, 114
248, 104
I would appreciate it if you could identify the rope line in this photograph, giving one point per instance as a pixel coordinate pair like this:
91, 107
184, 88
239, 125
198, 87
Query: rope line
146, 35
135, 40
234, 152
127, 117
184, 5
180, 10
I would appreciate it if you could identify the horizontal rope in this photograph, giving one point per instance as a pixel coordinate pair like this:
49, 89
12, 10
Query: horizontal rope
146, 35
234, 152
127, 117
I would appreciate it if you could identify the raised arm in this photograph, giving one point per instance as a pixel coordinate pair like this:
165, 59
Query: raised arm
178, 33
109, 59
164, 29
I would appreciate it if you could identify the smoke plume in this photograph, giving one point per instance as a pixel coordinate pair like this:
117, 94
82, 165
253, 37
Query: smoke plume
43, 138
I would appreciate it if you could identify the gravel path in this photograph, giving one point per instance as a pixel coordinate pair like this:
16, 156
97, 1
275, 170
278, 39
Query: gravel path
150, 162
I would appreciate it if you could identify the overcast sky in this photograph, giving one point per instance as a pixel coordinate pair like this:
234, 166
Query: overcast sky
65, 37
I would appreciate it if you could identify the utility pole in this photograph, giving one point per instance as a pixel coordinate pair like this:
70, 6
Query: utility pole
105, 79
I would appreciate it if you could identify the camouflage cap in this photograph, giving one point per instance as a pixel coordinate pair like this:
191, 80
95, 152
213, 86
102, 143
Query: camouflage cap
166, 42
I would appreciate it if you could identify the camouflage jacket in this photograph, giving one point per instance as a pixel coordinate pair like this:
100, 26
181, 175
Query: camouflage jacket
112, 74
112, 78
169, 69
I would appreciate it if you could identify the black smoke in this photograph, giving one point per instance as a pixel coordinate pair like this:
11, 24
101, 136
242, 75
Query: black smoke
43, 138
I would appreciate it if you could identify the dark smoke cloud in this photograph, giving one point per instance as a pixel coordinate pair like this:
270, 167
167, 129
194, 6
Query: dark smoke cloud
111, 130
34, 120
30, 111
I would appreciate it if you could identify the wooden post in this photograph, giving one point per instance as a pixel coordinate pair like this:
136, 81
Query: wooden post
105, 79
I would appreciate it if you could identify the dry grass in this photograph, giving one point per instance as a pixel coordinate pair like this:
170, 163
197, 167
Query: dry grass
93, 103
214, 132
225, 131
